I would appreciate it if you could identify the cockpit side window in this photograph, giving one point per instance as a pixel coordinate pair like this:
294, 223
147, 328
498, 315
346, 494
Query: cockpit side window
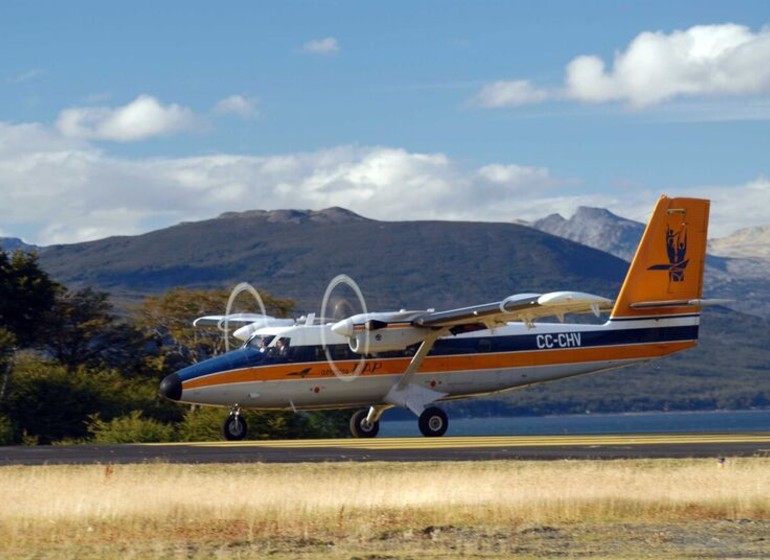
280, 349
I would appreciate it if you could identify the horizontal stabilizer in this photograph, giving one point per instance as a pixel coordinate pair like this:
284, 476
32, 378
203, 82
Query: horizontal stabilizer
679, 303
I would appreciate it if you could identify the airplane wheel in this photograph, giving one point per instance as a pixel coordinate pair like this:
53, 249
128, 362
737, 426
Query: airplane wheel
234, 428
359, 428
433, 422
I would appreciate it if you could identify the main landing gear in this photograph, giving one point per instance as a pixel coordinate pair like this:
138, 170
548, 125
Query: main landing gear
433, 422
234, 427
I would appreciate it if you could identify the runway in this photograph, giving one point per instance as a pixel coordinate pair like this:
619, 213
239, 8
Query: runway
554, 447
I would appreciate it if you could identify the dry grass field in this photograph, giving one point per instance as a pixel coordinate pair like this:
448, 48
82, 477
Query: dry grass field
612, 509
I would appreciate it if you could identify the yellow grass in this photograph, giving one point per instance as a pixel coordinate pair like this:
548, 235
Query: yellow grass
158, 504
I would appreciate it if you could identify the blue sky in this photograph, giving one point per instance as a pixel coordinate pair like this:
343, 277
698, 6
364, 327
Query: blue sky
117, 118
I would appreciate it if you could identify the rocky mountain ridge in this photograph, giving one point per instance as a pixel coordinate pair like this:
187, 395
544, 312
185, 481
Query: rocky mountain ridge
738, 267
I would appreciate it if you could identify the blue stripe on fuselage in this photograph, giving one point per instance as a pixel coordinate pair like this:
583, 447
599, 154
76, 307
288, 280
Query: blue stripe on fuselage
566, 339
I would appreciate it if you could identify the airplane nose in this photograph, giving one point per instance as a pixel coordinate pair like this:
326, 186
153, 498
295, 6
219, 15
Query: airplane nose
171, 387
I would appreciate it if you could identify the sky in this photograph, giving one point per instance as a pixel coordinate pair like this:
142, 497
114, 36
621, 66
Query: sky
119, 118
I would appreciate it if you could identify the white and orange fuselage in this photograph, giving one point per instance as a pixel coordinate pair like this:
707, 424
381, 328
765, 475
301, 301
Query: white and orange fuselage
514, 355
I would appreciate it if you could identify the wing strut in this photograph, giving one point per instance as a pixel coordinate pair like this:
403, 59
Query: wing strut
410, 395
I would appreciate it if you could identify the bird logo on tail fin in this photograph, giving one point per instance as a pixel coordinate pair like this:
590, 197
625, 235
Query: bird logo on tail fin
676, 247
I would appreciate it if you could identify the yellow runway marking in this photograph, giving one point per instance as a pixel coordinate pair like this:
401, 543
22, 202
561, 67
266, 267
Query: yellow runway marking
500, 441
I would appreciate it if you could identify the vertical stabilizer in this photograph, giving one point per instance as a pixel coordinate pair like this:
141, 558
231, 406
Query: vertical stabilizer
666, 274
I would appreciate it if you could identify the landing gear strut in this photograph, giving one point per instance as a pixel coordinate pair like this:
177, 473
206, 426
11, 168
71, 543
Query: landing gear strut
433, 422
234, 427
360, 427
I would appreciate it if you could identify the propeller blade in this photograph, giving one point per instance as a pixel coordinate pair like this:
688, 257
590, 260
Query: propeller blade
331, 309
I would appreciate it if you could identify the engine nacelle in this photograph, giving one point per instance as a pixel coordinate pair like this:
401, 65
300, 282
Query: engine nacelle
386, 339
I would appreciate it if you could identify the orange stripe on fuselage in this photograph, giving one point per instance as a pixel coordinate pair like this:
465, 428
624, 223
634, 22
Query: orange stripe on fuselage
443, 364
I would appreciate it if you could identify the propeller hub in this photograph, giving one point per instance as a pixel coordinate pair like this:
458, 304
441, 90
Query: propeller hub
344, 328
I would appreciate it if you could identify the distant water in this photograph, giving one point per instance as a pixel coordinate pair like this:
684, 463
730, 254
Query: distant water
653, 422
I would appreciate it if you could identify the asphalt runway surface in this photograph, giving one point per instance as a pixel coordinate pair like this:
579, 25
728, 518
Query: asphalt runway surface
555, 447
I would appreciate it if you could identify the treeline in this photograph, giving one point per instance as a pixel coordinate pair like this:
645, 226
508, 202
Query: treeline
74, 369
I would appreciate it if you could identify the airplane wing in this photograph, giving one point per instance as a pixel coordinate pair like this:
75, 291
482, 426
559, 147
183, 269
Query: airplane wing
519, 307
382, 332
240, 319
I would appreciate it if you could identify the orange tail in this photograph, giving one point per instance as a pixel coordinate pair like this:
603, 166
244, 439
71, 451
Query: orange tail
666, 274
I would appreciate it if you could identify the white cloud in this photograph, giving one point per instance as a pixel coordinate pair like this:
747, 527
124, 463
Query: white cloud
65, 190
328, 45
61, 189
510, 94
702, 61
244, 107
144, 117
518, 176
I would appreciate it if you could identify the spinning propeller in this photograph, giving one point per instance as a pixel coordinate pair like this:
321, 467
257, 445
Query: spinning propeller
248, 288
336, 306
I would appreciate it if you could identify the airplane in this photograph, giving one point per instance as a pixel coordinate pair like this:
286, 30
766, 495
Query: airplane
375, 361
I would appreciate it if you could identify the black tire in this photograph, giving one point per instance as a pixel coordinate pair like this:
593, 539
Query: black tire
359, 428
234, 428
433, 422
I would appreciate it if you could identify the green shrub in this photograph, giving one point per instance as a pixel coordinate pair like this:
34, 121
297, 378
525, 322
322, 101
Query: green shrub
202, 424
47, 402
130, 429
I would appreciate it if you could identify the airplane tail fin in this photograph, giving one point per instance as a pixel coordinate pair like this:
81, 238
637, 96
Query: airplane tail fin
666, 274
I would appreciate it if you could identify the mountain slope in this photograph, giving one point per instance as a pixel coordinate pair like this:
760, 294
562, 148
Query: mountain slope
749, 243
295, 254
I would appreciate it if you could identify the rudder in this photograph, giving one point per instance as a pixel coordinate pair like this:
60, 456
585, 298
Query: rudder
666, 273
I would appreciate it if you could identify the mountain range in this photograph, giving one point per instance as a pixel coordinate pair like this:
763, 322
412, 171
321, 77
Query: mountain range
294, 254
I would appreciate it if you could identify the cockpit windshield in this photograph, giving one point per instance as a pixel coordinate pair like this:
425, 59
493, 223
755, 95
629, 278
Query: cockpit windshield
259, 342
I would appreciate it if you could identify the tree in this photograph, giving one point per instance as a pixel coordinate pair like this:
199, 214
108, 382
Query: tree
26, 295
7, 347
81, 330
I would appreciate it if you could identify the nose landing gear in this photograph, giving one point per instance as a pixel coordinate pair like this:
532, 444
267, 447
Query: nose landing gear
360, 427
234, 427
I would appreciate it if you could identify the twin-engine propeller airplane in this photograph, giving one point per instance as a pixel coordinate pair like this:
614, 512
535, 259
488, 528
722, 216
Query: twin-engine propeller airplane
413, 359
